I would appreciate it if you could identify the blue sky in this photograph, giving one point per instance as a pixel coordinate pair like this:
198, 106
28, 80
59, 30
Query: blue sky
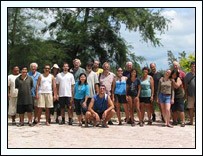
179, 37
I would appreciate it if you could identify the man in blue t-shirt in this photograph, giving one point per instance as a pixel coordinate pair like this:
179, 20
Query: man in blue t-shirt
101, 108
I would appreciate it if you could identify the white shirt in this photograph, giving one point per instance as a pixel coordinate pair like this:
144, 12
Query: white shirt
11, 84
65, 81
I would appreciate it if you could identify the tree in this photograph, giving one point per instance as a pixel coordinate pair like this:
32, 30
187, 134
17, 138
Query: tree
171, 58
182, 59
185, 62
90, 33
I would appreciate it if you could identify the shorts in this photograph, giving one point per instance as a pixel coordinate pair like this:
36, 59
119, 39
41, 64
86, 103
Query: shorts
21, 109
145, 100
100, 115
35, 101
120, 98
191, 102
64, 101
78, 106
45, 100
164, 98
178, 105
12, 106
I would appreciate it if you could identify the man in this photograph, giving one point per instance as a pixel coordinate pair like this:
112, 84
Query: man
24, 84
107, 79
12, 93
129, 67
176, 66
96, 68
34, 74
77, 70
101, 108
65, 85
46, 86
190, 87
156, 76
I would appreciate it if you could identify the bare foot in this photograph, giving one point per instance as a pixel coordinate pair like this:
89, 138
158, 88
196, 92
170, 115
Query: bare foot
47, 123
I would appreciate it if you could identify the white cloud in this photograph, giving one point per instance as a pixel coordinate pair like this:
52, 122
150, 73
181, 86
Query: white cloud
180, 37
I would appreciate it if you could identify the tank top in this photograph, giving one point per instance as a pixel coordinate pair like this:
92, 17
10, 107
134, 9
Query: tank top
179, 93
100, 104
120, 87
145, 87
46, 84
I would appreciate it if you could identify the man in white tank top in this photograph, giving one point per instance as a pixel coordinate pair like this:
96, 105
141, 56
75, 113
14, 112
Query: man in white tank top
45, 86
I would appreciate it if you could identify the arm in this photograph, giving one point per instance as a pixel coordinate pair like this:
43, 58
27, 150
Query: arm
172, 93
138, 92
37, 86
112, 88
110, 104
90, 108
177, 84
54, 88
152, 88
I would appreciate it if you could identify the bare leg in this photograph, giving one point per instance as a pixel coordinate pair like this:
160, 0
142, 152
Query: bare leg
47, 117
118, 107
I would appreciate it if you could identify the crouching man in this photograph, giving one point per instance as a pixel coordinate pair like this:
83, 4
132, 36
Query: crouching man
101, 108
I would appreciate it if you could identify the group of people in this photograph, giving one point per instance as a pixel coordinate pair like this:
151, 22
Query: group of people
96, 94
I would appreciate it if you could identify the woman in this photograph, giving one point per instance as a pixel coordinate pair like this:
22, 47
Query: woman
81, 94
133, 93
55, 71
146, 94
166, 96
119, 88
178, 106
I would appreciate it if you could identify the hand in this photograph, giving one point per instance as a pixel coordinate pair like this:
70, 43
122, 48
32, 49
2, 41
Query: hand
151, 98
104, 115
172, 101
84, 105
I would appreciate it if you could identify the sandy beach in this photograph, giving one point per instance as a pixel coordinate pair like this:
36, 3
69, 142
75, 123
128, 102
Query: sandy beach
116, 136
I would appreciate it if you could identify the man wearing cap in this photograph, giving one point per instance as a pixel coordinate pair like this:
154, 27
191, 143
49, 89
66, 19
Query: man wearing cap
34, 74
65, 86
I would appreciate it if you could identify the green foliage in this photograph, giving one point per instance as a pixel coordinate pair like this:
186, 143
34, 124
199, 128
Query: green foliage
183, 59
84, 33
185, 62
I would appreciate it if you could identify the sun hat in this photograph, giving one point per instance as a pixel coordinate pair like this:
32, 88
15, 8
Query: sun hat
55, 66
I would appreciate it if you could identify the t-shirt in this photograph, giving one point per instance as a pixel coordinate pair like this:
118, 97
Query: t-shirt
11, 84
24, 87
100, 70
34, 78
81, 91
107, 81
156, 77
76, 73
191, 86
65, 81
133, 86
92, 79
